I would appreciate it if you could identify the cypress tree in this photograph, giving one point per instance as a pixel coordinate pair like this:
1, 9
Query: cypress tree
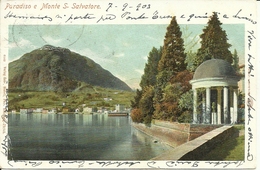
146, 104
235, 61
171, 63
137, 98
213, 43
173, 55
143, 100
151, 68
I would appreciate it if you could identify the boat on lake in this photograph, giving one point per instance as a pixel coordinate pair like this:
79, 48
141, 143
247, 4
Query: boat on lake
118, 114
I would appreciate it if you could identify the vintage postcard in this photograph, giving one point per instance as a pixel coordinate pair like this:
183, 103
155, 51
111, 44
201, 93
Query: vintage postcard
128, 84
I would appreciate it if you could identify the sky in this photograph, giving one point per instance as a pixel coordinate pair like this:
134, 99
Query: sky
120, 49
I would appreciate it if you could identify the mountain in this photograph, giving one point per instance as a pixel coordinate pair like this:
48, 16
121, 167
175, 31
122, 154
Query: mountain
58, 69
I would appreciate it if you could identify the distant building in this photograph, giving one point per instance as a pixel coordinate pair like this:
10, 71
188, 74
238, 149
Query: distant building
26, 111
52, 111
38, 110
65, 110
120, 107
23, 111
101, 109
89, 109
108, 99
44, 111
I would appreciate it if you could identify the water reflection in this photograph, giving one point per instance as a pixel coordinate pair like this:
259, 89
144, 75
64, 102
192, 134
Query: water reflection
78, 137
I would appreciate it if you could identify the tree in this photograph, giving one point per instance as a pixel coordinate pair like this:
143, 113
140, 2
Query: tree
137, 98
146, 104
235, 64
167, 90
151, 68
191, 60
143, 105
190, 42
143, 101
185, 104
213, 43
173, 55
136, 115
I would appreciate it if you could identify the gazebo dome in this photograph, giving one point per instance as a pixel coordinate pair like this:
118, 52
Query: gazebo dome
214, 72
214, 68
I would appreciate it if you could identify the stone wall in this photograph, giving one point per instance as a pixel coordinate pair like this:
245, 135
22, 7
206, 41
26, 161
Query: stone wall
194, 149
172, 137
197, 130
204, 147
172, 133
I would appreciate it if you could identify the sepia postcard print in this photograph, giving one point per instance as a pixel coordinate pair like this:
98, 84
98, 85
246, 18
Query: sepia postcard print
128, 84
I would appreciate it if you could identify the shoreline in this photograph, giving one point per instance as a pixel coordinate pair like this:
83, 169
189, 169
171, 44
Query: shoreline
155, 139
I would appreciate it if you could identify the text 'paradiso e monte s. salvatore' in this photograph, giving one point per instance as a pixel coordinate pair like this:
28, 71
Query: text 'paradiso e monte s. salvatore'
53, 6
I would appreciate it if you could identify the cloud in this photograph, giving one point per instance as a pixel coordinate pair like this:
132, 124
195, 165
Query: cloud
106, 48
12, 45
22, 43
19, 47
52, 41
119, 55
120, 77
125, 44
110, 52
154, 40
94, 56
133, 83
139, 71
150, 38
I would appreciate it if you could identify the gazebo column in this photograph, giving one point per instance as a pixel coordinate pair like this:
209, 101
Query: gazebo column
235, 94
208, 105
213, 114
203, 109
231, 103
195, 106
225, 105
219, 105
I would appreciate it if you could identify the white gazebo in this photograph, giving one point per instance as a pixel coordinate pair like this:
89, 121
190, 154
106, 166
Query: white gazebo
217, 75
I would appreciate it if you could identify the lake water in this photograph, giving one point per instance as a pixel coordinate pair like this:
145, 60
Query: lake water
78, 137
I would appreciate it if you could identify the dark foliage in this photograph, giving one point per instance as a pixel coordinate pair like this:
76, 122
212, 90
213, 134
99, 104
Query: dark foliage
213, 43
